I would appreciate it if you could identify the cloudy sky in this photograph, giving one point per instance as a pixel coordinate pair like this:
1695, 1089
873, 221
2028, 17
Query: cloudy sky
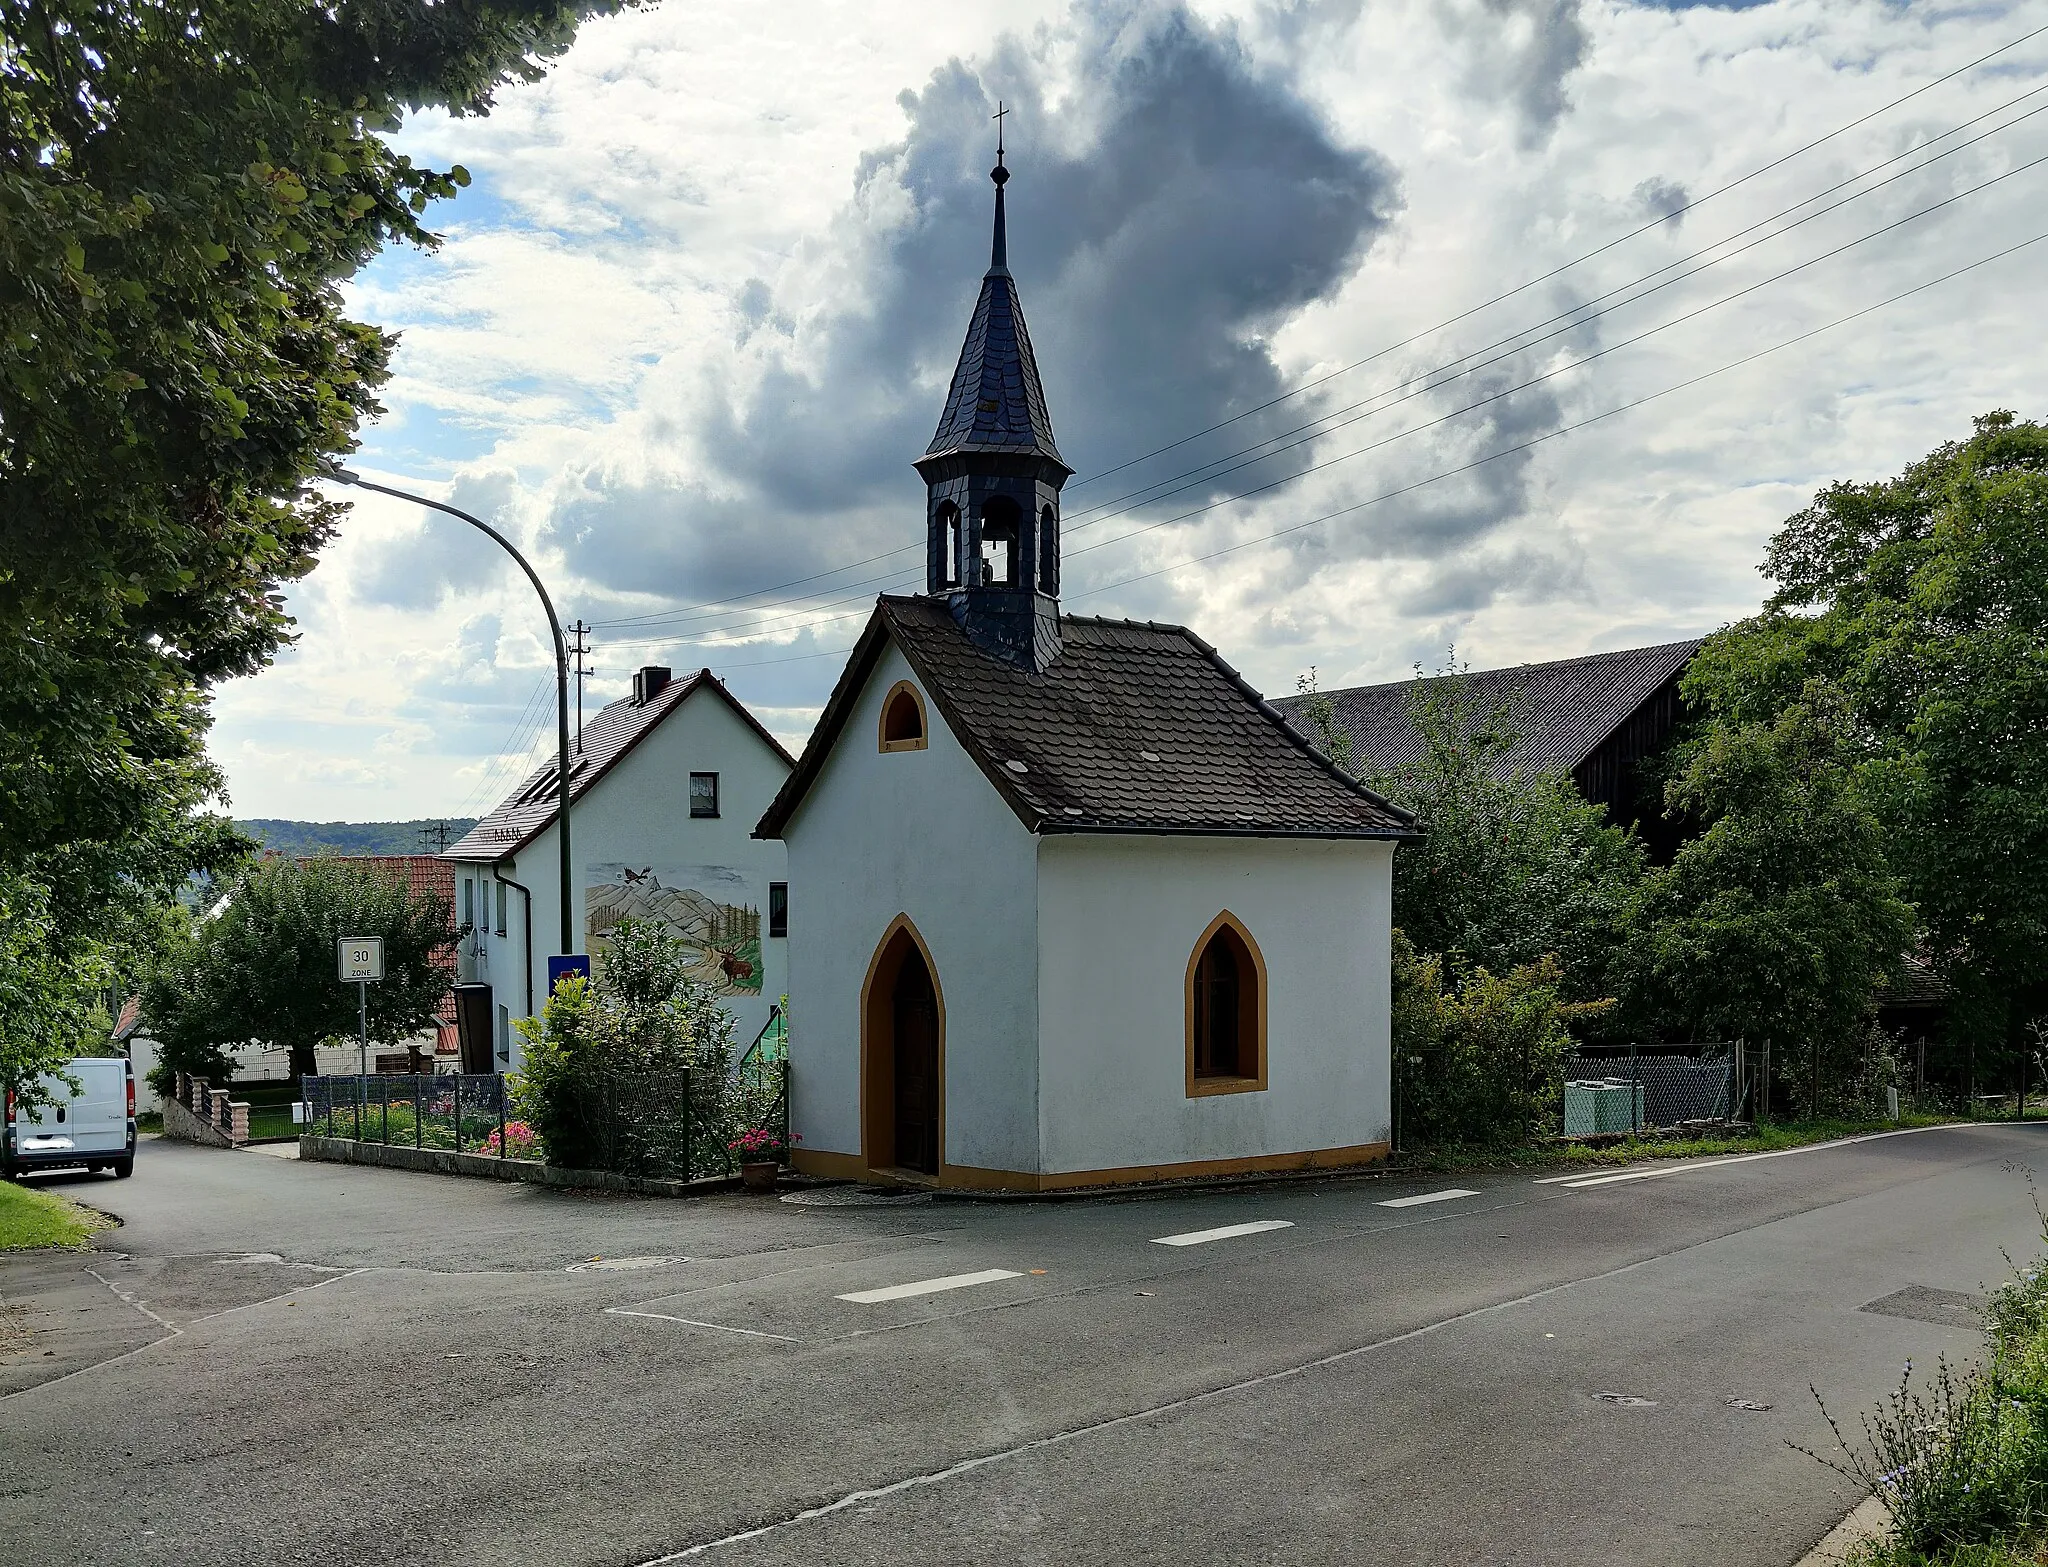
1371, 329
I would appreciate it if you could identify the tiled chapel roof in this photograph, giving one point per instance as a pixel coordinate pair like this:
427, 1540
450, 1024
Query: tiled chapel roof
1566, 709
1134, 728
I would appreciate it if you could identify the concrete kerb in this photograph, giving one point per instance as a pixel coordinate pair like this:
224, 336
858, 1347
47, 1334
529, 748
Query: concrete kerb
1866, 1523
446, 1161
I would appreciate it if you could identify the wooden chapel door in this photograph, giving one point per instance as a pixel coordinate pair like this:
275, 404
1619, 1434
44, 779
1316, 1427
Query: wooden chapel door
915, 1010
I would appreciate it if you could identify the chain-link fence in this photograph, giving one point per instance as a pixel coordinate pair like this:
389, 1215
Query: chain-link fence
1641, 1090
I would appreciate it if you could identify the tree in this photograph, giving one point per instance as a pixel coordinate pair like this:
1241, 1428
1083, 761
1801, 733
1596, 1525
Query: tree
183, 189
1513, 865
1777, 922
262, 968
1923, 600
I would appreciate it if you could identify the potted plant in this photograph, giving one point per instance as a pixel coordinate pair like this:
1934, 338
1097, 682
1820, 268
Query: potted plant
761, 1152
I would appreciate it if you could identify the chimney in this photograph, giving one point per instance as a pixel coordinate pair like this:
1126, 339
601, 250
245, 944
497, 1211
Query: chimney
648, 683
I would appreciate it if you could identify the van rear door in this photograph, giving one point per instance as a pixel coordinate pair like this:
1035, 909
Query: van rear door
99, 1115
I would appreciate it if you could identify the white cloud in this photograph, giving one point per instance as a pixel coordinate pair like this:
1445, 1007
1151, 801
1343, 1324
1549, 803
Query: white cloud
692, 323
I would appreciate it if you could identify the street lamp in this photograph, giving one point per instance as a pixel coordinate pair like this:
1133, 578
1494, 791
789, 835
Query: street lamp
350, 476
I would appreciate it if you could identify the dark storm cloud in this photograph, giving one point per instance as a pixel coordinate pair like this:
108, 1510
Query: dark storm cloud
1521, 51
444, 555
1173, 209
1661, 198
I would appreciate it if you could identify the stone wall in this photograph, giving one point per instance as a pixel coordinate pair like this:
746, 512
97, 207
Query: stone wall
204, 1114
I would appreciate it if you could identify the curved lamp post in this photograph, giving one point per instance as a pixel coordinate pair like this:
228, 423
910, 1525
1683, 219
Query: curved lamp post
350, 476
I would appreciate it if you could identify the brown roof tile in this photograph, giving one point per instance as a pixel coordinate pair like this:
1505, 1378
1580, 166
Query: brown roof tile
1134, 728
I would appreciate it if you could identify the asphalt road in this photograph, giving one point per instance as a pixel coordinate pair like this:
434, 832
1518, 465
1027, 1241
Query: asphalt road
276, 1361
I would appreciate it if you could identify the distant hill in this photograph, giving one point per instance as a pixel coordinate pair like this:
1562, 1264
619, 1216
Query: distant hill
354, 837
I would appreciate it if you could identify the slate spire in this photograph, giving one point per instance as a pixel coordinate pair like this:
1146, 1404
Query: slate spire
993, 475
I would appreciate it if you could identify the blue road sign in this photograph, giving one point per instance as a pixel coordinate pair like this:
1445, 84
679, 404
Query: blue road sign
560, 968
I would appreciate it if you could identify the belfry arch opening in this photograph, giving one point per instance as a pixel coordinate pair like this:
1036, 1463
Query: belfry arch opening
999, 530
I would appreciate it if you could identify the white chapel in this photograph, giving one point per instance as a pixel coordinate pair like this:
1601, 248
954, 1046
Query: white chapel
1076, 906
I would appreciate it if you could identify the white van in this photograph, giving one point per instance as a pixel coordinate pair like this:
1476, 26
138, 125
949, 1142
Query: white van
94, 1127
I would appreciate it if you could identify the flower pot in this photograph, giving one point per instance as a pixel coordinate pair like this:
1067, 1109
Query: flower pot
760, 1177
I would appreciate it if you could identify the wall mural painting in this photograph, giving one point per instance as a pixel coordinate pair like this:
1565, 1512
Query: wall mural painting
715, 909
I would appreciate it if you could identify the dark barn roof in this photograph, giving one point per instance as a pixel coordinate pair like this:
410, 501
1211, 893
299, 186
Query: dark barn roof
1135, 728
1567, 710
619, 726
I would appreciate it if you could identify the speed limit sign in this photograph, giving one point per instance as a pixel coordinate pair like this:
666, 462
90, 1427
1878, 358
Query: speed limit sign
362, 958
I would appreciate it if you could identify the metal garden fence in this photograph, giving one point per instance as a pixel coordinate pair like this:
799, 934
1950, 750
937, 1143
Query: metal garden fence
669, 1124
467, 1112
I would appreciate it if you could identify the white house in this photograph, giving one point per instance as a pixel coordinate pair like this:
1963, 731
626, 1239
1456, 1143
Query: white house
1076, 905
663, 788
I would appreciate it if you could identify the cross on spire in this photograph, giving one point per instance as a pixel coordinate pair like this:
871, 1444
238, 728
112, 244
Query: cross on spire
998, 118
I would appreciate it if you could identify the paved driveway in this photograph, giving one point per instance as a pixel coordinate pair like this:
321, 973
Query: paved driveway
281, 1361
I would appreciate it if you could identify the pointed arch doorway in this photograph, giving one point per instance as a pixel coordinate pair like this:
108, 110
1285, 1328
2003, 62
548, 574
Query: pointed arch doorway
903, 1027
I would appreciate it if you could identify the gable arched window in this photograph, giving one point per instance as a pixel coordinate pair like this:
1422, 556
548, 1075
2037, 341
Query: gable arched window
949, 545
999, 542
1048, 552
1226, 1011
903, 726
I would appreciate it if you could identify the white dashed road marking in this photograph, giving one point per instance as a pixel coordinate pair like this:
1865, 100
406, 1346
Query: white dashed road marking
1415, 1202
957, 1281
1226, 1232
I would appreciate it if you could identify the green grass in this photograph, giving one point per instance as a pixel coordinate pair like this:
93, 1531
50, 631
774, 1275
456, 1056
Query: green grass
272, 1121
36, 1218
1767, 1138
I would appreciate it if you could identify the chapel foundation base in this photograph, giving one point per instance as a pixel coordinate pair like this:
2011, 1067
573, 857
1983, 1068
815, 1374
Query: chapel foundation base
964, 1178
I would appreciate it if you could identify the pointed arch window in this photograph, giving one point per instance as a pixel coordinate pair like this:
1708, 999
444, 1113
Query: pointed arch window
949, 545
1226, 1011
1048, 552
999, 543
903, 725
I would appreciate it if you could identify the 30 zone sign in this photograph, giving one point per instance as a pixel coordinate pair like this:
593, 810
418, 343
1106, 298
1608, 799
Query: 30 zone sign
362, 958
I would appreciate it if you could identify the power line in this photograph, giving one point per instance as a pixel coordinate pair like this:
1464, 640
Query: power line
1457, 367
1692, 381
810, 616
1590, 255
1205, 472
1509, 451
517, 745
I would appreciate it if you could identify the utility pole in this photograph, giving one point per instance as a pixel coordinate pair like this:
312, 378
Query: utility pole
434, 838
579, 649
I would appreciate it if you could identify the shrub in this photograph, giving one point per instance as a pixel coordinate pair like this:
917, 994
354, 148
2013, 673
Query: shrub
1478, 1057
609, 1059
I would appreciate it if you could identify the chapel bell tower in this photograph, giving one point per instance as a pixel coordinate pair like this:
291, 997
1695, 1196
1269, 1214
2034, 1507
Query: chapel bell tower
993, 478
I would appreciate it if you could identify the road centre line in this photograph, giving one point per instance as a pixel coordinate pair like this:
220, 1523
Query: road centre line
1749, 1158
1223, 1233
1445, 1195
957, 1281
853, 1499
692, 1322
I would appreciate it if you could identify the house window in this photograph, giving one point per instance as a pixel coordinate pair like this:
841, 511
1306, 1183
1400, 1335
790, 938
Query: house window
703, 794
501, 908
949, 545
1226, 1011
778, 908
504, 1033
999, 543
1048, 552
903, 718
468, 903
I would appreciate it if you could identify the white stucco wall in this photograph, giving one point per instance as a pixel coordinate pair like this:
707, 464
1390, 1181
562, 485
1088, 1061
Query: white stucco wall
639, 813
1117, 921
921, 833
